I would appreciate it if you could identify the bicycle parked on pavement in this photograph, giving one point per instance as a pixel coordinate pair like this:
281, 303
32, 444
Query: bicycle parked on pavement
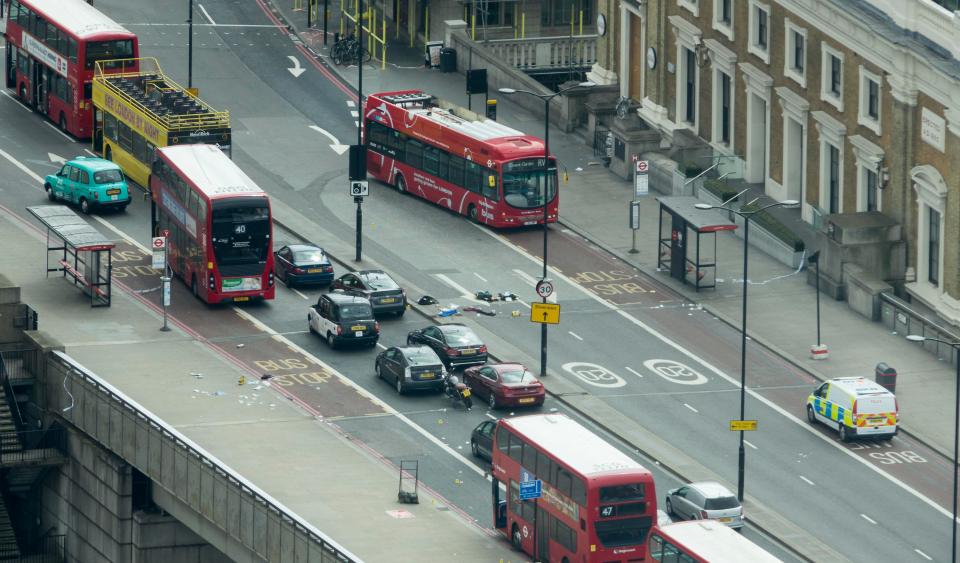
348, 50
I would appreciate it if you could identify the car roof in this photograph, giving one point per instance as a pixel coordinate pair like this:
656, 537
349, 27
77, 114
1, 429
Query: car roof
365, 272
422, 348
298, 247
503, 366
451, 326
860, 386
711, 489
344, 298
93, 164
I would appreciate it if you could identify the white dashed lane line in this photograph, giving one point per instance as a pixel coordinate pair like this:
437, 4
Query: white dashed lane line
633, 371
807, 481
691, 408
868, 519
924, 555
749, 444
575, 336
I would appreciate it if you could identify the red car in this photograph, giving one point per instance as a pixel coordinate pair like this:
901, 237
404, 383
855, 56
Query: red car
505, 384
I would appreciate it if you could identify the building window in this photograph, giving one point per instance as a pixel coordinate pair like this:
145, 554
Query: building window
690, 112
831, 90
759, 31
556, 13
869, 112
692, 5
833, 185
870, 179
933, 246
724, 108
492, 14
795, 55
723, 17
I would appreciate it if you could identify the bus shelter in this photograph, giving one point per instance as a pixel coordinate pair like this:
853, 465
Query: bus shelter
687, 240
78, 251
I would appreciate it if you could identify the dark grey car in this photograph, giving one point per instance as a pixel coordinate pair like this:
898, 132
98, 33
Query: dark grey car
481, 440
377, 286
410, 367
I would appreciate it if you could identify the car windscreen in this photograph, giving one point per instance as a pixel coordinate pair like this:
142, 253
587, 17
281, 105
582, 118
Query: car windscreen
355, 312
241, 231
107, 176
461, 336
308, 257
517, 376
379, 281
721, 503
421, 357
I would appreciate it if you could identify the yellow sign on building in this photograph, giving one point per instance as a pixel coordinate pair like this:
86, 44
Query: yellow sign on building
548, 313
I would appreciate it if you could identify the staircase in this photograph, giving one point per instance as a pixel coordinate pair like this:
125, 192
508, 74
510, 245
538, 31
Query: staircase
9, 551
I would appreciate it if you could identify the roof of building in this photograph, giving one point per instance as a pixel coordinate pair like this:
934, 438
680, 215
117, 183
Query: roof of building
77, 17
211, 171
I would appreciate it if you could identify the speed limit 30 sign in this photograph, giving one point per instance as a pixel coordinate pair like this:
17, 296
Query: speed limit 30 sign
544, 288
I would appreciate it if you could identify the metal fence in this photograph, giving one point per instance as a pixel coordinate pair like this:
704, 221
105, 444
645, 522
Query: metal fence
245, 514
47, 549
33, 446
899, 317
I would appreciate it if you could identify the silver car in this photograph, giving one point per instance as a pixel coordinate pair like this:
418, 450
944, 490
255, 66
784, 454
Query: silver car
706, 500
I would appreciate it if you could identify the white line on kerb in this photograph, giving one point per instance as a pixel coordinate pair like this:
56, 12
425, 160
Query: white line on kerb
298, 293
206, 14
354, 113
351, 104
633, 371
924, 555
19, 103
807, 481
573, 334
749, 444
802, 423
691, 408
868, 519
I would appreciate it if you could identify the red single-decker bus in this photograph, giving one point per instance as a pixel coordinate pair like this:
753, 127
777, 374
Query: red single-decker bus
597, 504
458, 159
218, 224
51, 48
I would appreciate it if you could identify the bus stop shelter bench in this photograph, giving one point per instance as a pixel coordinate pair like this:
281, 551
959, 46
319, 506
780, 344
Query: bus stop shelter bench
78, 251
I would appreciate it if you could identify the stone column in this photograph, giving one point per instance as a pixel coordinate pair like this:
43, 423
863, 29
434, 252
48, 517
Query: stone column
604, 71
898, 194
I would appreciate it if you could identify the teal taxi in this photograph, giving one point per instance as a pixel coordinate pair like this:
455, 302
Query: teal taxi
91, 183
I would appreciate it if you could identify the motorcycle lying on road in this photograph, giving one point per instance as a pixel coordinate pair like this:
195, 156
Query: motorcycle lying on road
457, 391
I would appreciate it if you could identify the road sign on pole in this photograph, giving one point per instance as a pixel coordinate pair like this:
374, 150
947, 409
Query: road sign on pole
743, 425
544, 288
159, 246
359, 188
545, 313
641, 183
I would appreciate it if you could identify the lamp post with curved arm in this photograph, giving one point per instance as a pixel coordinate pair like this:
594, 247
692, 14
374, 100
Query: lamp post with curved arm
743, 331
956, 436
549, 173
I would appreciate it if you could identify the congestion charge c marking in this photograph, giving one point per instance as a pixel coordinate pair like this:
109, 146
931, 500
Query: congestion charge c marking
594, 374
675, 372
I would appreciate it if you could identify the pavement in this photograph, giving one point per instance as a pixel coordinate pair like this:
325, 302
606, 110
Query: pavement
781, 307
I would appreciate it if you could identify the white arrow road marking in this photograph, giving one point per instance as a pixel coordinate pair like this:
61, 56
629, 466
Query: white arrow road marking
297, 70
336, 146
56, 158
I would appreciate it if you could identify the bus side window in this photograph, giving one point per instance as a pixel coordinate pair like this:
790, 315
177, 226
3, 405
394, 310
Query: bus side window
72, 50
455, 170
490, 191
473, 177
110, 126
516, 448
503, 438
529, 457
656, 547
397, 143
414, 153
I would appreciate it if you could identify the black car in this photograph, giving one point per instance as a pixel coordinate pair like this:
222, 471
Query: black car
377, 286
343, 319
481, 440
411, 367
456, 344
303, 264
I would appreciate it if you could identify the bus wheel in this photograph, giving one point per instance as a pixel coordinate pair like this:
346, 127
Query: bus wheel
84, 206
63, 122
193, 287
401, 184
472, 213
108, 154
516, 539
50, 195
23, 94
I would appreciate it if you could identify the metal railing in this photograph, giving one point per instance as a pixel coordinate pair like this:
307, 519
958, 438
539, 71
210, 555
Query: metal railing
46, 549
33, 446
545, 53
899, 317
217, 493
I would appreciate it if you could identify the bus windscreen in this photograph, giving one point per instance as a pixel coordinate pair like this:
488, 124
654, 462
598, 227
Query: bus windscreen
241, 232
107, 51
524, 190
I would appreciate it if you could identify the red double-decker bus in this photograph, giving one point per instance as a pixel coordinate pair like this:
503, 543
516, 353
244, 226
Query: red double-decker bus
596, 503
51, 48
458, 159
704, 541
217, 221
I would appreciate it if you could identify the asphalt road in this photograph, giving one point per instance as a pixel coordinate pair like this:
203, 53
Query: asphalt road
842, 494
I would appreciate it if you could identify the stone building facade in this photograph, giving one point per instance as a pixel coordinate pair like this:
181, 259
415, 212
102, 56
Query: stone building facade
850, 106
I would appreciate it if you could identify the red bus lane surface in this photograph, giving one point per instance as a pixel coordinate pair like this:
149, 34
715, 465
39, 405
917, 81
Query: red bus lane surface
904, 458
256, 353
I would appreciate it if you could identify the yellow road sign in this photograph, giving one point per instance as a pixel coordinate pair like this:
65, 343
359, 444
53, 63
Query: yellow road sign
548, 313
741, 425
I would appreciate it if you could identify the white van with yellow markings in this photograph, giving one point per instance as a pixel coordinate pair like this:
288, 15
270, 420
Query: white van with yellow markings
855, 406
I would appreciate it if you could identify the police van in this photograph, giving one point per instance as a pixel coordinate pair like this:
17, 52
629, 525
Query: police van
856, 407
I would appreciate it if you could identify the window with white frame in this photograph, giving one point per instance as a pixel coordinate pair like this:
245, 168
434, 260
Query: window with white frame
759, 20
722, 108
795, 55
931, 192
933, 246
868, 114
690, 86
692, 5
871, 188
723, 17
831, 80
869, 163
832, 139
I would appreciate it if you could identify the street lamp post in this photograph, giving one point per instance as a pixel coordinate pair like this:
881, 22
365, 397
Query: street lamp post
550, 173
190, 45
815, 259
746, 215
956, 436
